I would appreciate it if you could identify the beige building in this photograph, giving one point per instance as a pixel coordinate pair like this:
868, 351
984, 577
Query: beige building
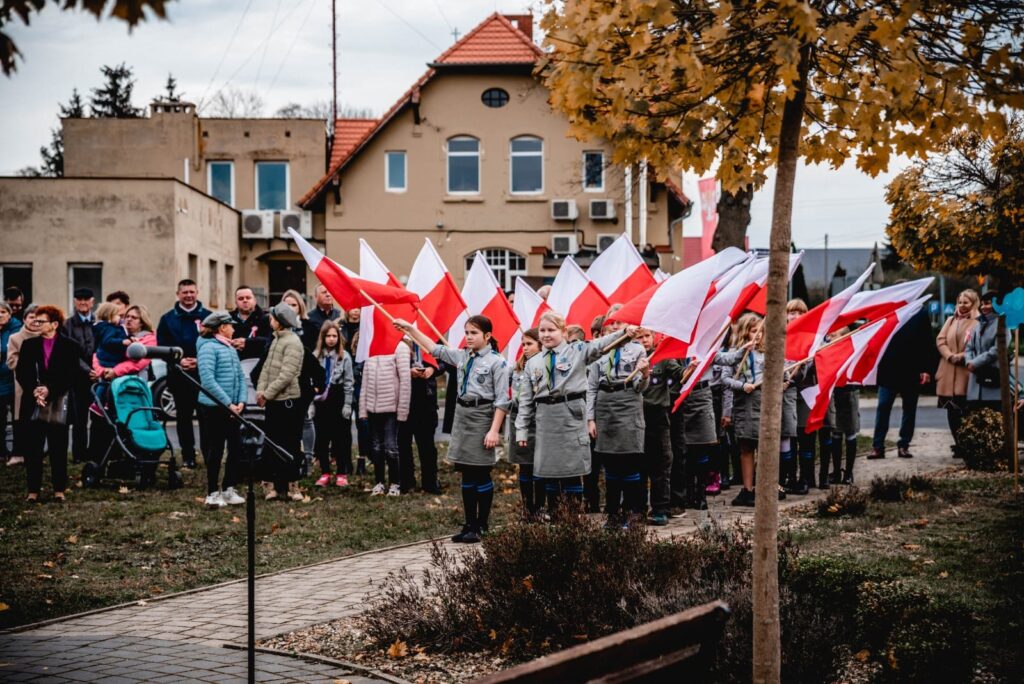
473, 158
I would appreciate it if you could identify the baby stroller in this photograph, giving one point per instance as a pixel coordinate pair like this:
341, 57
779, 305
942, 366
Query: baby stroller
138, 439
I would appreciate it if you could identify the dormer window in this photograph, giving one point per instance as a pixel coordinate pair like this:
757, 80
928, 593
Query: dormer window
495, 97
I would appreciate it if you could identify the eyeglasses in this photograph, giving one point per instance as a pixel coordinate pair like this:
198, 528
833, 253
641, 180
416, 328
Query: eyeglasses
43, 321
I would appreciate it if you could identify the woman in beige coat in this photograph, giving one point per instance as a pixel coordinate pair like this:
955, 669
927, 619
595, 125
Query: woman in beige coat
952, 376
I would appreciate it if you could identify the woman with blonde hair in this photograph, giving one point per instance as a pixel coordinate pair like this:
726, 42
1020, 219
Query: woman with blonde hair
952, 376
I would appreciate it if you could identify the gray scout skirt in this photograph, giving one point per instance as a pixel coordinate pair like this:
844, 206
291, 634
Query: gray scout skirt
620, 422
563, 445
847, 403
746, 414
699, 425
467, 442
517, 454
789, 402
803, 411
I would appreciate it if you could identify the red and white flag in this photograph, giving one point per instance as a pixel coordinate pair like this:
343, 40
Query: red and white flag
528, 308
440, 299
377, 337
873, 304
758, 301
484, 296
577, 298
673, 306
660, 276
865, 371
620, 272
805, 334
831, 364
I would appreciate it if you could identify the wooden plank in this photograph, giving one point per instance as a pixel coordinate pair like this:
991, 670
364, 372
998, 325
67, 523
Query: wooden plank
670, 640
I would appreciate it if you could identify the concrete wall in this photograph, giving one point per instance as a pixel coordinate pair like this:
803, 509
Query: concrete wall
395, 224
140, 231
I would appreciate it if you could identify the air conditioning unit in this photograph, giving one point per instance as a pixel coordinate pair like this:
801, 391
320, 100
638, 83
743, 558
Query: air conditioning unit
299, 221
564, 210
257, 225
606, 240
602, 210
564, 244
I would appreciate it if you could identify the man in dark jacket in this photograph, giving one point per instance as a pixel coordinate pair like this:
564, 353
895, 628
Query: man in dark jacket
179, 327
324, 310
252, 325
908, 363
79, 327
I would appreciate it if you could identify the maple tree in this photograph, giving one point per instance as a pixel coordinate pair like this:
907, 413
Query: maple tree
752, 84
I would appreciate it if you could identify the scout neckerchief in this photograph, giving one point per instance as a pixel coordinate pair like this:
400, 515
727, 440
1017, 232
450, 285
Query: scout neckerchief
465, 372
613, 364
551, 369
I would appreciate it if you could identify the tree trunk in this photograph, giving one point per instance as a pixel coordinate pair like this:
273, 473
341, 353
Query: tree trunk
1005, 391
733, 219
767, 666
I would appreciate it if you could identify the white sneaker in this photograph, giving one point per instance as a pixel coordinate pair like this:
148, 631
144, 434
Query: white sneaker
395, 490
214, 500
378, 489
231, 497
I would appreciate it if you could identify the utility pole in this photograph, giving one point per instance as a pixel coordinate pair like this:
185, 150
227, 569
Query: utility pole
828, 276
629, 202
642, 230
334, 64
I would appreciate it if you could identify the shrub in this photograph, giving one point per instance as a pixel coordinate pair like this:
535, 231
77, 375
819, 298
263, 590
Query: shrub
896, 488
980, 440
848, 501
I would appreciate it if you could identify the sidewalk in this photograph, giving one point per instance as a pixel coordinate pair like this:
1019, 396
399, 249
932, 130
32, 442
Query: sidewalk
181, 638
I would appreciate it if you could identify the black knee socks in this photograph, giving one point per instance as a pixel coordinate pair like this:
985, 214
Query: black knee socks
469, 501
477, 496
837, 454
526, 488
851, 456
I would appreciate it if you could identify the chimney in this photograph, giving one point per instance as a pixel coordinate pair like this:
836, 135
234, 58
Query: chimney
523, 22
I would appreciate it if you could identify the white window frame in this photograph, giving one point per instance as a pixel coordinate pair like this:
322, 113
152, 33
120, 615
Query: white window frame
583, 178
510, 273
209, 177
512, 155
387, 169
287, 184
448, 154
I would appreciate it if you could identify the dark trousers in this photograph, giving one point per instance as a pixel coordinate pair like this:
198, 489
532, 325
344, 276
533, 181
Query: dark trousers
333, 438
956, 410
6, 405
592, 481
657, 460
283, 424
420, 428
994, 404
221, 431
677, 478
186, 401
384, 447
886, 398
42, 439
81, 397
623, 484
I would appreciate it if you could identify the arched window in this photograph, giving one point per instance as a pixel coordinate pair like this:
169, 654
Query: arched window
505, 264
526, 165
463, 165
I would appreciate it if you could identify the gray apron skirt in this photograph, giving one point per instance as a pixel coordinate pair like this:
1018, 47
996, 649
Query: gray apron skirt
520, 455
563, 445
789, 402
699, 427
746, 414
620, 422
472, 424
847, 403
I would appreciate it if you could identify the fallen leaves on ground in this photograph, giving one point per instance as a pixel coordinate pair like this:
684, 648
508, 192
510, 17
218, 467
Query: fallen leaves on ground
122, 490
912, 547
73, 539
3, 607
399, 649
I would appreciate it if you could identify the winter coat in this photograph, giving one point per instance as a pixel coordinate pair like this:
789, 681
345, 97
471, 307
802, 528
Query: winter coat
951, 379
129, 367
911, 352
109, 343
6, 374
57, 376
13, 355
340, 385
981, 354
180, 328
255, 330
318, 318
279, 377
221, 372
387, 384
82, 333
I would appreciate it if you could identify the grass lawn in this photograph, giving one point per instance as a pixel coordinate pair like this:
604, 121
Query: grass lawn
109, 545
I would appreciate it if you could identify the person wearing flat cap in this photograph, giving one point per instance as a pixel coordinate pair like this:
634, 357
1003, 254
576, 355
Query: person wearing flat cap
277, 390
220, 372
79, 327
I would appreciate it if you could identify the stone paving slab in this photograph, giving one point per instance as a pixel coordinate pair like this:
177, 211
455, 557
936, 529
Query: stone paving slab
181, 637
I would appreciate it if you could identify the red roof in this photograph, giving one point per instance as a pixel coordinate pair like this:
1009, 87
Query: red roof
494, 41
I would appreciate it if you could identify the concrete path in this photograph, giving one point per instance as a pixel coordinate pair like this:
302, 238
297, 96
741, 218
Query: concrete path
181, 638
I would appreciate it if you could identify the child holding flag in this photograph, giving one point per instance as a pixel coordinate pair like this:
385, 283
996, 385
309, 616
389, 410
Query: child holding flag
531, 487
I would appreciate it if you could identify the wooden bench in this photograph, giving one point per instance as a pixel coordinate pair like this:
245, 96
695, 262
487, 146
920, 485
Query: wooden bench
676, 648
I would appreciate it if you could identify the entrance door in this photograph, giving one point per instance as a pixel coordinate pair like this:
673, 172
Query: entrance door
283, 275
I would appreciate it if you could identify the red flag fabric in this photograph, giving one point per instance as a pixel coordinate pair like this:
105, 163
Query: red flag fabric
620, 272
440, 299
577, 298
757, 301
805, 334
528, 308
871, 305
484, 296
865, 371
377, 337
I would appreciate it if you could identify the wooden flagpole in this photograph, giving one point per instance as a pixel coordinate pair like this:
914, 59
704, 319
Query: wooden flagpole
802, 362
430, 323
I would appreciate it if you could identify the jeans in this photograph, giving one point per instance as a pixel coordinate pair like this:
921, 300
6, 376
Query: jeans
886, 399
384, 447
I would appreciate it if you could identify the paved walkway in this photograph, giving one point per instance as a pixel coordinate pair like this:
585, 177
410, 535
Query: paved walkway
181, 638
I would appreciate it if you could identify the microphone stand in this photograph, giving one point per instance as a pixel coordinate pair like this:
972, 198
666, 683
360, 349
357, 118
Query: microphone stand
253, 439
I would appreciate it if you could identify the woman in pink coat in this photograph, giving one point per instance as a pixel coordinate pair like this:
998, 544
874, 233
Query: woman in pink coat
384, 401
952, 376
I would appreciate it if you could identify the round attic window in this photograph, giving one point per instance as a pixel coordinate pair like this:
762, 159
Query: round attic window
495, 97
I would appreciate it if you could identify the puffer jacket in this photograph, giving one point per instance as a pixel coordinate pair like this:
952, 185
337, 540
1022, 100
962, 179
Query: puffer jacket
220, 371
279, 378
387, 384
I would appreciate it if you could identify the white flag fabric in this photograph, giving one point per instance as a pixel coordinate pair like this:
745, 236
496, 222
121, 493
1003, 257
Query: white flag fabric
620, 272
574, 296
528, 308
484, 296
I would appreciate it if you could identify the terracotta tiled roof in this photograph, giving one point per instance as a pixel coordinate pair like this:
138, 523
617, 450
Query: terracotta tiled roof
494, 41
674, 188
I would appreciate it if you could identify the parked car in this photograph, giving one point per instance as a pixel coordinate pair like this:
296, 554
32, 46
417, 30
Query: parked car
158, 386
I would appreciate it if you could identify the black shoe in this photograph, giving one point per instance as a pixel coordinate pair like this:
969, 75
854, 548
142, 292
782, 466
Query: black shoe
823, 482
782, 494
191, 465
361, 465
904, 452
460, 538
471, 537
744, 498
797, 487
725, 485
847, 477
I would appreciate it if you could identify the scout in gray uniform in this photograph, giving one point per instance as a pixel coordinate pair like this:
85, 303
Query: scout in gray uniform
805, 442
615, 420
657, 462
531, 487
483, 384
721, 401
700, 434
555, 393
789, 434
846, 399
746, 401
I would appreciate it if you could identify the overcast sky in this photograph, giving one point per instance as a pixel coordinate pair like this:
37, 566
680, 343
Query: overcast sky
281, 50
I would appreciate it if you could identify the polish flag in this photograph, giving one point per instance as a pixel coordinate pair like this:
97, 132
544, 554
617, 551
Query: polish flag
577, 298
620, 272
528, 308
805, 334
377, 337
660, 276
440, 299
831, 363
484, 296
873, 304
865, 371
344, 285
758, 300
673, 306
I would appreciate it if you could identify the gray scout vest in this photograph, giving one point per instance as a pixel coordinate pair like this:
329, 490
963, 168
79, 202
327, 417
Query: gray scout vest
617, 407
482, 385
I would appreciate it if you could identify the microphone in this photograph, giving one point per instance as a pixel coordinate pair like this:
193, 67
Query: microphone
137, 351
